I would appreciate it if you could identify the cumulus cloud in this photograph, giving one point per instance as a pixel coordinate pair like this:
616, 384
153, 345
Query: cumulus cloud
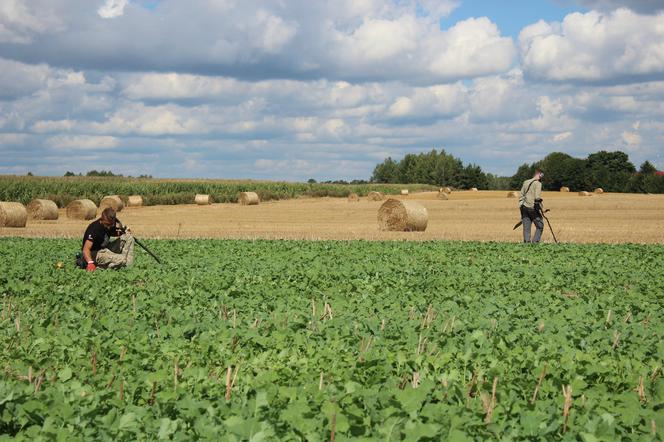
642, 6
616, 47
82, 142
349, 40
112, 8
20, 21
298, 89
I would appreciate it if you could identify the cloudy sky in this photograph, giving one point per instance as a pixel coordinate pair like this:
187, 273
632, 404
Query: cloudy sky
293, 89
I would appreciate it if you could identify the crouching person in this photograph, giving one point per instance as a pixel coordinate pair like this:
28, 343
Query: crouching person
99, 251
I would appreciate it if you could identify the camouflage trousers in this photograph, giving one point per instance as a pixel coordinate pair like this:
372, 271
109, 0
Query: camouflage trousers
119, 253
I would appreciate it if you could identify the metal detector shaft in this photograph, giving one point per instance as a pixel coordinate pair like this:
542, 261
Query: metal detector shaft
551, 229
147, 250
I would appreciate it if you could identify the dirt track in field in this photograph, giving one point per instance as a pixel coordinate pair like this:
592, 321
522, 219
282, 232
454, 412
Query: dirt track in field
483, 216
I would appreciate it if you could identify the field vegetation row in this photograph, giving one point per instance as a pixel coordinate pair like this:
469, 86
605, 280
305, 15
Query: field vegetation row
288, 340
63, 190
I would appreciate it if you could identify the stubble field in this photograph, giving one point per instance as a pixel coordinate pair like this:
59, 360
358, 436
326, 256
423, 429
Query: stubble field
468, 216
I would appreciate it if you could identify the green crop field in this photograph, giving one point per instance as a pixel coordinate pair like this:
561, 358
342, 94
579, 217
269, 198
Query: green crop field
63, 190
288, 340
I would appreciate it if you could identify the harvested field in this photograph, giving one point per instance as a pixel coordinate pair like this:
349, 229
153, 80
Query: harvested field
483, 216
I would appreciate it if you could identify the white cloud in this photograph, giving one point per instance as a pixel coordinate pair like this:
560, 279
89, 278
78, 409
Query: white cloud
82, 142
12, 138
643, 6
20, 20
151, 121
442, 101
295, 89
632, 139
47, 126
112, 8
345, 40
562, 136
275, 32
595, 47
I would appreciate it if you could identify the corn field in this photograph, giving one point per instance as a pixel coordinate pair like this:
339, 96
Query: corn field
63, 190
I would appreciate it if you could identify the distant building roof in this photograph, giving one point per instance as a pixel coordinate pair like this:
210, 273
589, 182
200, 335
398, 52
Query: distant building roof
659, 172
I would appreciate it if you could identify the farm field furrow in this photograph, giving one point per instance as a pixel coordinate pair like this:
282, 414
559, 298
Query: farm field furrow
476, 216
296, 340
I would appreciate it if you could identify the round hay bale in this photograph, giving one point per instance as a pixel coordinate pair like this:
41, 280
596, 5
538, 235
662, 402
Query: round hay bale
375, 196
512, 194
443, 196
599, 191
248, 198
353, 197
564, 189
135, 201
81, 209
447, 189
402, 216
42, 209
13, 214
203, 200
112, 201
584, 193
474, 189
404, 191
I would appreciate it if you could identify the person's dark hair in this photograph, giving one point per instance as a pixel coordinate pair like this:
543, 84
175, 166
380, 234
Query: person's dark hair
108, 215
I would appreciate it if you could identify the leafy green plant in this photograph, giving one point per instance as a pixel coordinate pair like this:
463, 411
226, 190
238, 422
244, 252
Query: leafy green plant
270, 340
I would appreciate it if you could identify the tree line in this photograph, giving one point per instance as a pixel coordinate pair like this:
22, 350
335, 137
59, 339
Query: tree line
612, 171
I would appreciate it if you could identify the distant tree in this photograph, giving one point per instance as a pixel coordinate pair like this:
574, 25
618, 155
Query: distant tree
524, 172
102, 173
29, 174
432, 167
496, 182
610, 170
647, 168
556, 167
386, 172
68, 173
311, 181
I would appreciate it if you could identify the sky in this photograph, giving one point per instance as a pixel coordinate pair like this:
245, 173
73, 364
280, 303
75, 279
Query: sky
298, 89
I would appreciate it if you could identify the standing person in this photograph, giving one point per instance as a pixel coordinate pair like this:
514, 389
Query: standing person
529, 205
97, 248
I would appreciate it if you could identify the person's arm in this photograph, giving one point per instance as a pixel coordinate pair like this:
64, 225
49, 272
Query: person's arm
87, 255
538, 191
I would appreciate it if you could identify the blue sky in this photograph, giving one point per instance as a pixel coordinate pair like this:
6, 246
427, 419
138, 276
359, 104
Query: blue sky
513, 15
298, 89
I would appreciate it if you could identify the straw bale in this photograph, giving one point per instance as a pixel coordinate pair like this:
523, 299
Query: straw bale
402, 216
584, 193
135, 201
443, 196
113, 201
404, 191
599, 191
353, 197
13, 214
81, 209
203, 200
375, 196
474, 189
248, 198
564, 189
42, 209
512, 194
447, 189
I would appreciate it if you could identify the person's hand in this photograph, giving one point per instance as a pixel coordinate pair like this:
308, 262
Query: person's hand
91, 266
